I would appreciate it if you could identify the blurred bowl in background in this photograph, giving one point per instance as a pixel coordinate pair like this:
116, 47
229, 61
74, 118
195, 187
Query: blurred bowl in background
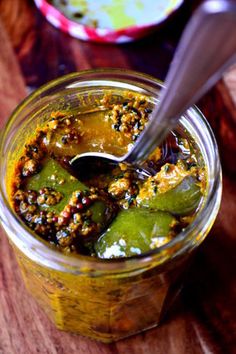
107, 21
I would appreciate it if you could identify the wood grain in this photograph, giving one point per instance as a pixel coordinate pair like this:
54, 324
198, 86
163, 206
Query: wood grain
230, 82
203, 320
12, 87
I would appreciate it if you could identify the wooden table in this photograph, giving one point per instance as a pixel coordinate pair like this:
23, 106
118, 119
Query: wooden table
203, 320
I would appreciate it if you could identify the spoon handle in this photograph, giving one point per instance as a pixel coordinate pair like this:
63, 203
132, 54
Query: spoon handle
207, 47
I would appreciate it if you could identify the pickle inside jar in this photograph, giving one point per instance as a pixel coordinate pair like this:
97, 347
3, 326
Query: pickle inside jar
180, 200
94, 216
124, 239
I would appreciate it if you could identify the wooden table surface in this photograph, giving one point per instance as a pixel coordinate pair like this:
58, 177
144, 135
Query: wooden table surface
204, 318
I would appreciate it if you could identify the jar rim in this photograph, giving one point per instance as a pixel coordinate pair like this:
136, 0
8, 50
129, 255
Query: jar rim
61, 261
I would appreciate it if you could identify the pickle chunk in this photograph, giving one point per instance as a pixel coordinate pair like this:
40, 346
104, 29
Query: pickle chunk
135, 231
181, 200
53, 175
56, 179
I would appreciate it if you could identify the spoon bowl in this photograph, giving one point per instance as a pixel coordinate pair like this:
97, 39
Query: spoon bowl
88, 164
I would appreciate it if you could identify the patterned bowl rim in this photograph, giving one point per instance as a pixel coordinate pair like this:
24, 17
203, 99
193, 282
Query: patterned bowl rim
59, 20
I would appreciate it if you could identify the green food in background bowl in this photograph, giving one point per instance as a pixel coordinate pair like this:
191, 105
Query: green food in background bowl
107, 21
116, 15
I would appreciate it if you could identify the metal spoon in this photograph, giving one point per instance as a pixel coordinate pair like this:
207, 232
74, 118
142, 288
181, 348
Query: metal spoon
207, 47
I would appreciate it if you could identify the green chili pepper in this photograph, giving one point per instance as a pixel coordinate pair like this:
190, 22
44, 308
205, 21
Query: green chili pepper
53, 175
181, 200
133, 232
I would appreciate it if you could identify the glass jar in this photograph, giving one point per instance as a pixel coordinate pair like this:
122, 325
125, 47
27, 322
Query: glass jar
103, 299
